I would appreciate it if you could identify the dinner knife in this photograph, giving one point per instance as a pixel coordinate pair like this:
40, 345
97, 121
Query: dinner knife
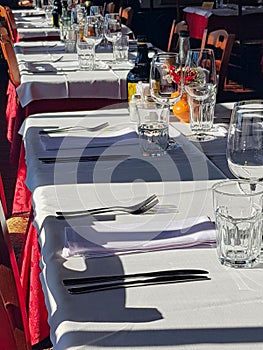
97, 279
52, 160
97, 287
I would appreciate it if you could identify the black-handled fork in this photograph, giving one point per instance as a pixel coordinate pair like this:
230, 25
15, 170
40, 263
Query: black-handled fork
135, 209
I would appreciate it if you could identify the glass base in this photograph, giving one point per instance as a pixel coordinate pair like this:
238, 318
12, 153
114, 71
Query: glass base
201, 137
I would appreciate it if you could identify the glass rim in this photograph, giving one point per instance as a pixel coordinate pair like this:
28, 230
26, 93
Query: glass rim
218, 188
248, 102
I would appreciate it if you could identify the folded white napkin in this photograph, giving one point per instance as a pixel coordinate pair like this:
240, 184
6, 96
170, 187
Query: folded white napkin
101, 240
198, 11
84, 139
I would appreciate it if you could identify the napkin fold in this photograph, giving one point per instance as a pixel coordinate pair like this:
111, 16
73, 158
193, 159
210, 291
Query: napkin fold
99, 241
81, 140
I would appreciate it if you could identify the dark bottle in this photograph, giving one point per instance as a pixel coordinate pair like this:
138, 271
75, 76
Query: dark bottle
141, 70
55, 17
56, 13
87, 7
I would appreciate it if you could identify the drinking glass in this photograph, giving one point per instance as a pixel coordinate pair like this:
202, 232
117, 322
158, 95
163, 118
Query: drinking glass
165, 78
166, 83
112, 27
93, 31
238, 217
153, 124
245, 141
95, 10
200, 83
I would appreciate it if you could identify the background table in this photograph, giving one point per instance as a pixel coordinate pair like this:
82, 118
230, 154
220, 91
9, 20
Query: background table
247, 26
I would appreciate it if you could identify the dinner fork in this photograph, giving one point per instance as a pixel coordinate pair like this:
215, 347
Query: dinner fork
74, 128
135, 209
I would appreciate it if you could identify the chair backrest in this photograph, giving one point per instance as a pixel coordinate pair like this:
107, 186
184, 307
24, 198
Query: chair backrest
126, 15
108, 8
173, 41
207, 5
221, 42
12, 303
8, 20
8, 51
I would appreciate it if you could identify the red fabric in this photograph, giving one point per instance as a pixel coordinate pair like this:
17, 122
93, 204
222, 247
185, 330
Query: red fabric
29, 276
16, 36
196, 24
11, 110
2, 196
37, 313
22, 196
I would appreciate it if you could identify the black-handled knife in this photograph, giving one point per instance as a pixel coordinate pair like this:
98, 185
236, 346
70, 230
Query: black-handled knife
97, 287
97, 279
52, 160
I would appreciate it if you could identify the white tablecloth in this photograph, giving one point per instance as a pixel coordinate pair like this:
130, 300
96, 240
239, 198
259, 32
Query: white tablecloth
222, 313
57, 76
227, 10
186, 162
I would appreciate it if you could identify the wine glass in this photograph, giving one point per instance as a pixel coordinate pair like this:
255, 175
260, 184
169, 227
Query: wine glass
200, 84
165, 78
93, 32
245, 141
166, 83
112, 27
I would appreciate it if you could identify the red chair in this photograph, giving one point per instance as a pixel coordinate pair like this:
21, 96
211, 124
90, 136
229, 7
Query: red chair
13, 318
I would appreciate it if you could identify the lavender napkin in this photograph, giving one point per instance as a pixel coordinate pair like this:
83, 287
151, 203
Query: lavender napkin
100, 239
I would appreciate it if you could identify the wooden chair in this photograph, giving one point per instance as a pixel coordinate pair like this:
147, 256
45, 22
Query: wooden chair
14, 333
8, 20
173, 41
126, 15
221, 42
10, 56
108, 8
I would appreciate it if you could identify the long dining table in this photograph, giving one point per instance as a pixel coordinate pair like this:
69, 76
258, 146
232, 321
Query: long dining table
52, 81
222, 312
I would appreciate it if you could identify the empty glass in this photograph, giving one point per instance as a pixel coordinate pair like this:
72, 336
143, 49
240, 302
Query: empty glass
245, 140
200, 83
165, 78
238, 216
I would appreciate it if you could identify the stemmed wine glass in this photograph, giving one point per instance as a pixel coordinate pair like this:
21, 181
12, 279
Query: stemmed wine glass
93, 31
200, 84
165, 78
166, 83
245, 141
112, 27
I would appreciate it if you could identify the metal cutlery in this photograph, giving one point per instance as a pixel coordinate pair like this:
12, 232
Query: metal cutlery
82, 159
135, 209
52, 60
109, 278
137, 282
74, 128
